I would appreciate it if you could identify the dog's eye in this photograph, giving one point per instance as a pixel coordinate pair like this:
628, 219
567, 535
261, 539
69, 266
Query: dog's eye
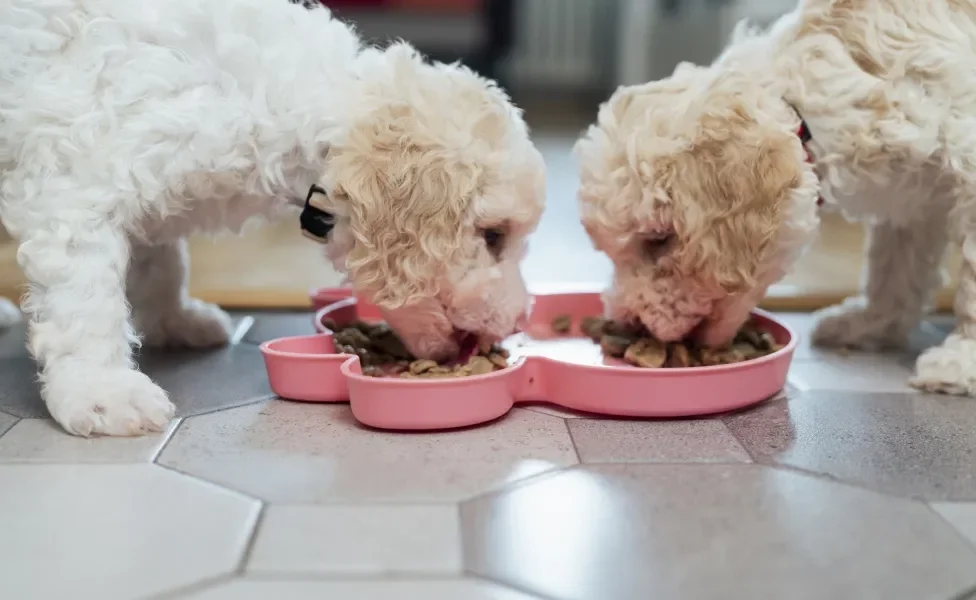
655, 245
494, 239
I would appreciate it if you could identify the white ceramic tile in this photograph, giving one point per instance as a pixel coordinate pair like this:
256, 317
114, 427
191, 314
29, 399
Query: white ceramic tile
911, 445
360, 540
607, 441
293, 453
257, 589
43, 440
114, 531
879, 373
711, 532
962, 516
6, 422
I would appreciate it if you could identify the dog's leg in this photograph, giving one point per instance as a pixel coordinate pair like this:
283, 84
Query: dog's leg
163, 312
902, 271
951, 367
79, 330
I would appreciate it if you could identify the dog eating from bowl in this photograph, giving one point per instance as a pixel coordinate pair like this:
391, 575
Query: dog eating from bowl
126, 126
703, 187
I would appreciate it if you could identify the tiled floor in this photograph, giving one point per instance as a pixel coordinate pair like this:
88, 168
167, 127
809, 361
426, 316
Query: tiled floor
847, 486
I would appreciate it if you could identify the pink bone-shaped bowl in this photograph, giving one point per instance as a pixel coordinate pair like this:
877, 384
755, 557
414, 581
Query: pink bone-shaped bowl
568, 371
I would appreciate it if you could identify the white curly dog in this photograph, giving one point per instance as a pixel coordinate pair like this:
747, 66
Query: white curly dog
703, 187
125, 126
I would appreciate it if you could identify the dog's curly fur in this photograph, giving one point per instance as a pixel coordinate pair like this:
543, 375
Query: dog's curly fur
125, 126
698, 188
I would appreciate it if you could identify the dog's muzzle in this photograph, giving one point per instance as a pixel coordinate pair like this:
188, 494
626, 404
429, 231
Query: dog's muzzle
316, 222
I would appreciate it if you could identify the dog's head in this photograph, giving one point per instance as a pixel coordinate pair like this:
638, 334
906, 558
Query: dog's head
696, 186
435, 186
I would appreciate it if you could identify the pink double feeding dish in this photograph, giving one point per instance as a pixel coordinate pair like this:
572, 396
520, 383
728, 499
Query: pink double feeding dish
567, 370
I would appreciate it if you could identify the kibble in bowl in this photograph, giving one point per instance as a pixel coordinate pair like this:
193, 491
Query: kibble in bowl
382, 354
635, 346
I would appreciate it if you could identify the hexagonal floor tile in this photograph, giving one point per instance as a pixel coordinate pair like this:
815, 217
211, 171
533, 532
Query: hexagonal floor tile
854, 373
370, 539
305, 453
197, 381
200, 382
694, 440
44, 441
115, 531
632, 532
906, 444
258, 589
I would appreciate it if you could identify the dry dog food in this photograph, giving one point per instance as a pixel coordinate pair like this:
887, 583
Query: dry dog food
634, 345
381, 353
562, 324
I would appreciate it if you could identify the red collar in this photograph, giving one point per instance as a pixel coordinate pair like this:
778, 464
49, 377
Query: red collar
804, 134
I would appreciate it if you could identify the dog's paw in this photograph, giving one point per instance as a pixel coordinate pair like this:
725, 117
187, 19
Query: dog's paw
115, 402
9, 313
949, 368
195, 325
851, 326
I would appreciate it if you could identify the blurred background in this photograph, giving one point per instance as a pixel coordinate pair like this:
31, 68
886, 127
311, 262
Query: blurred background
558, 59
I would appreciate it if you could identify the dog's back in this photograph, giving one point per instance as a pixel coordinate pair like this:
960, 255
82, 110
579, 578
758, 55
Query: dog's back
137, 95
891, 39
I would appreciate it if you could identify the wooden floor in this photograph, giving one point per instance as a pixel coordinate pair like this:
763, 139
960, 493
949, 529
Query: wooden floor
275, 267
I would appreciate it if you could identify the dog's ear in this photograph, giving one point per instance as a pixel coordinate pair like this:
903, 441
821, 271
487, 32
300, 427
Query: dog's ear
406, 200
728, 192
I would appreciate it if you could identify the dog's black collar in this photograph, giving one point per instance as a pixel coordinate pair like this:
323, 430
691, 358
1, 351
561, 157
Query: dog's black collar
804, 131
315, 222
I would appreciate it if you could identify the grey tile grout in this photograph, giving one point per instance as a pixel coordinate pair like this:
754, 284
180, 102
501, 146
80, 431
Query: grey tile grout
252, 539
197, 586
508, 585
248, 402
572, 440
774, 466
327, 503
851, 484
167, 439
518, 484
324, 576
5, 430
365, 504
351, 576
354, 576
742, 446
210, 482
970, 543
